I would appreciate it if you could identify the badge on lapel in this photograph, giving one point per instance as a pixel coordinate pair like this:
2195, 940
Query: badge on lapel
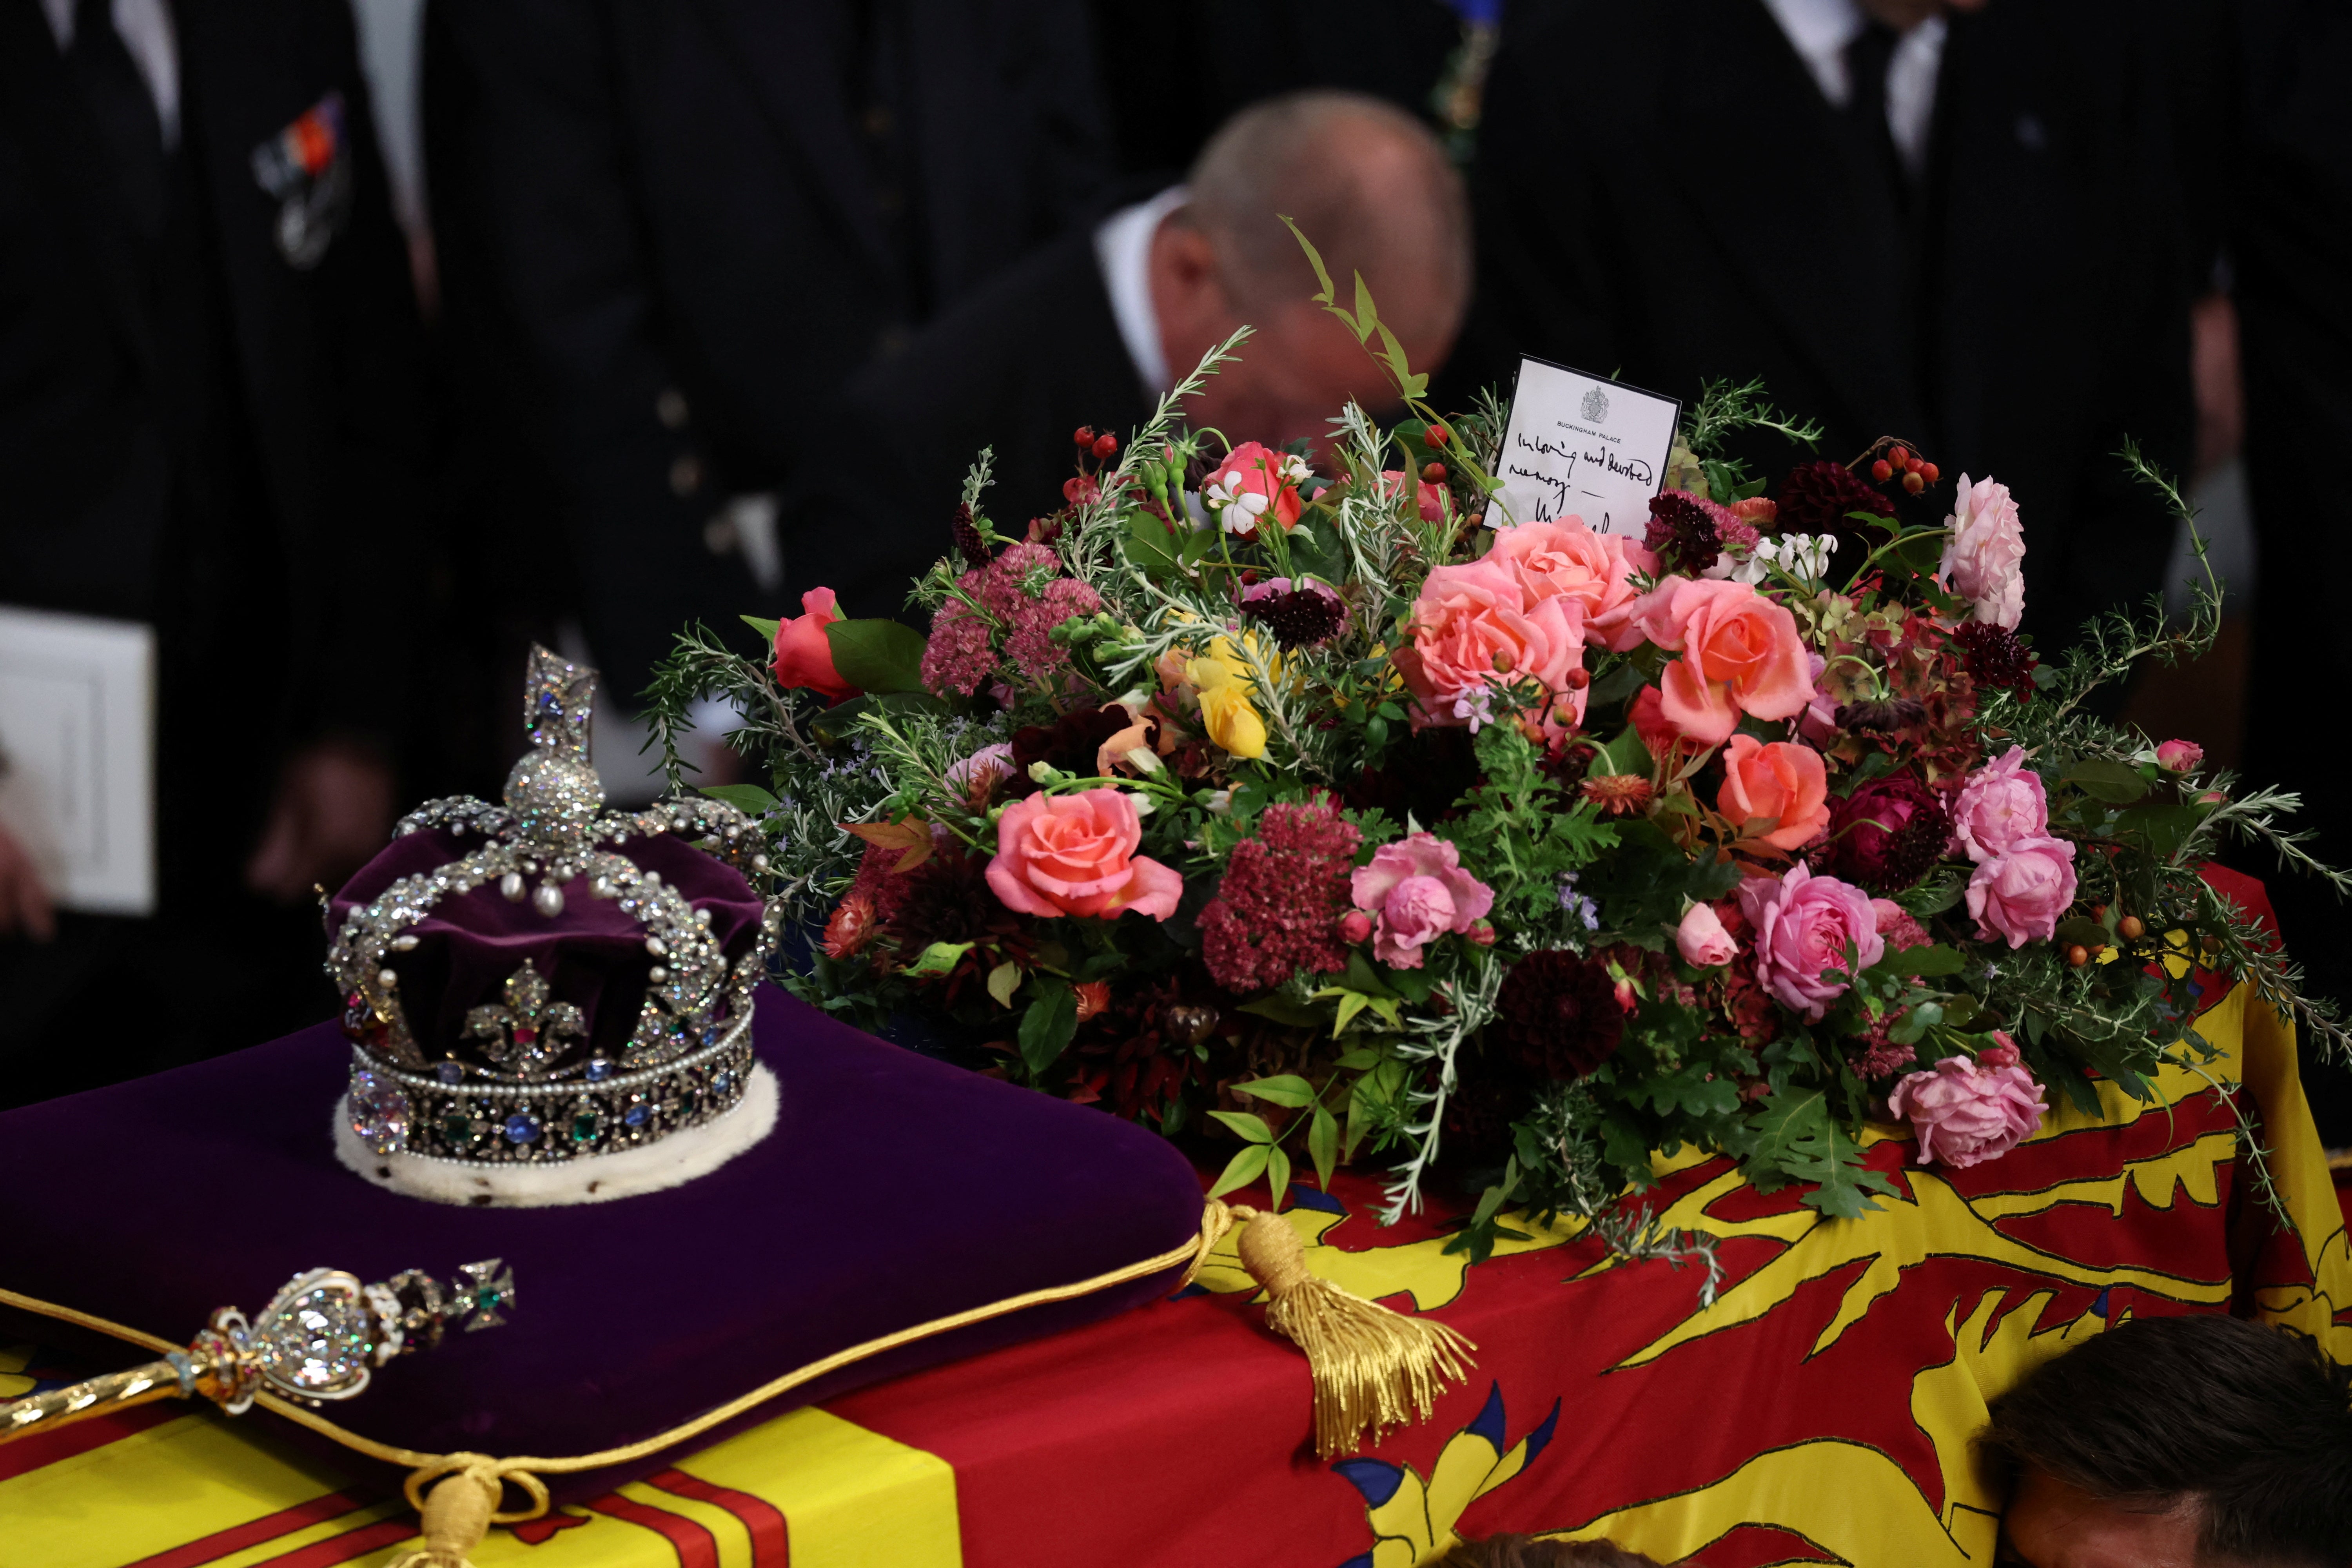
307, 167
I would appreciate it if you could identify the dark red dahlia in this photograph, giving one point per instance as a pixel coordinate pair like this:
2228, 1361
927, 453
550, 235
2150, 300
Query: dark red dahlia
1815, 499
945, 899
1071, 743
1558, 1014
1300, 617
1879, 718
1686, 531
1995, 656
1279, 907
1888, 833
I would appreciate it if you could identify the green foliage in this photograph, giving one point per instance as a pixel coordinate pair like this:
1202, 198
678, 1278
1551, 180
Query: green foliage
877, 657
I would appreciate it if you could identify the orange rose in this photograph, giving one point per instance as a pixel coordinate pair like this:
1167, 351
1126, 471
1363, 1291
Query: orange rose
1741, 653
1780, 781
805, 656
1075, 855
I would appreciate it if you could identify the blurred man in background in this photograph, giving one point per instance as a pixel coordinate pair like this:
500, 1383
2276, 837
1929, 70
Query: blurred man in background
1095, 330
668, 229
1956, 225
208, 426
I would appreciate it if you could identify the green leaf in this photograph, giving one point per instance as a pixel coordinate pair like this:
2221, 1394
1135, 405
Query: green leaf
1152, 546
749, 799
1047, 1024
1363, 1058
1323, 1145
2082, 929
877, 656
766, 629
1242, 1168
1253, 1128
1277, 1174
1287, 1088
1934, 959
1314, 257
1003, 981
940, 958
2117, 784
1283, 1010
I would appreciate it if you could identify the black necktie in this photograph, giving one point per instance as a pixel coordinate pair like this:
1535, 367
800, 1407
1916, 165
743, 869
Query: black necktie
128, 124
1866, 60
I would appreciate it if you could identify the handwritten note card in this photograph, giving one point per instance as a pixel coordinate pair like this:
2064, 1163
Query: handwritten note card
77, 755
1580, 446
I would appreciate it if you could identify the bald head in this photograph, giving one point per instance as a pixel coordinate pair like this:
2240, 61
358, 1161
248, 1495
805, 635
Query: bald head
1371, 188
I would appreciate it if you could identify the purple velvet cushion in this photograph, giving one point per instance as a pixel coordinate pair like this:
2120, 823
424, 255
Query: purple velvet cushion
894, 1190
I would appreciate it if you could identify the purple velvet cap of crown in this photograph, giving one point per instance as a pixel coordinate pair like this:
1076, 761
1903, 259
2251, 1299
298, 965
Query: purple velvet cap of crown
593, 954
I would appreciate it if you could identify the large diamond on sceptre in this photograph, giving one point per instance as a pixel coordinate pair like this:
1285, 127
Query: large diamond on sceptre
322, 1336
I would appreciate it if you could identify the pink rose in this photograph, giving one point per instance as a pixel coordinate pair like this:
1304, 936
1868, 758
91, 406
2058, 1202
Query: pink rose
1966, 1112
1075, 855
1417, 891
984, 768
1804, 925
1780, 781
2024, 891
1984, 559
1701, 939
2002, 803
1568, 559
1253, 481
1429, 497
1472, 627
1740, 654
803, 655
2179, 756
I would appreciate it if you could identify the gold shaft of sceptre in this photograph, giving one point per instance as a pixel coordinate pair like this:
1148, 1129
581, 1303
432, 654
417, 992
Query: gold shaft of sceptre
57, 1407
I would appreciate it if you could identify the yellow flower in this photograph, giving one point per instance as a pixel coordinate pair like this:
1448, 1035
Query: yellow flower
1222, 683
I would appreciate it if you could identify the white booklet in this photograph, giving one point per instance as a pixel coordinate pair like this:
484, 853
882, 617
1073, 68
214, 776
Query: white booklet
1583, 446
77, 755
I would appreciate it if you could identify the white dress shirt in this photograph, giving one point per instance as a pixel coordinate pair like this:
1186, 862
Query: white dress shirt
1123, 252
1820, 31
146, 29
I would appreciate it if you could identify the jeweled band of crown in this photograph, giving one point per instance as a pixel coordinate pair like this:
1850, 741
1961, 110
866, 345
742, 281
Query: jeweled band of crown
521, 1083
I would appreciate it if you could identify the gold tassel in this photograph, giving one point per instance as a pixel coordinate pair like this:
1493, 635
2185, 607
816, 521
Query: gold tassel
1372, 1367
457, 1513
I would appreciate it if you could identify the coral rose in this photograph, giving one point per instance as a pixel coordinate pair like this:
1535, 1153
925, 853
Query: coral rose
1568, 559
2179, 756
1984, 560
1075, 855
2002, 804
1966, 1112
1740, 654
1779, 780
1701, 939
804, 655
1417, 891
2024, 891
1471, 628
1807, 926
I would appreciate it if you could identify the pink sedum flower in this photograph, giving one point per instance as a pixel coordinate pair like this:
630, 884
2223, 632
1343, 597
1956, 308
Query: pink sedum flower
1984, 560
2179, 756
1805, 926
2023, 892
1075, 855
1701, 939
1966, 1112
1896, 926
1740, 654
1568, 559
2000, 805
1416, 891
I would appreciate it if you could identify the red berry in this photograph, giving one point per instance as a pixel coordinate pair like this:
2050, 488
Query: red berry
1437, 436
1928, 473
1579, 677
1882, 470
2078, 955
2131, 928
1083, 436
1434, 473
1914, 483
1915, 466
1105, 444
1898, 456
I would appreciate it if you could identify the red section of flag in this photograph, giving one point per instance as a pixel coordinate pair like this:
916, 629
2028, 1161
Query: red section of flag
348, 1547
696, 1547
268, 1527
23, 1454
771, 1542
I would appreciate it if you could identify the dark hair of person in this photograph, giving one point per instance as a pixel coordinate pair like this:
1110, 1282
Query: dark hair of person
1527, 1552
2253, 1423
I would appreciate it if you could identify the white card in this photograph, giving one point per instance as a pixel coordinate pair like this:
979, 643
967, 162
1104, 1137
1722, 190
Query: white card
1581, 445
78, 733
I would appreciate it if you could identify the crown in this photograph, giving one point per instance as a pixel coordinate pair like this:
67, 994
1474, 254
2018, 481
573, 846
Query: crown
546, 982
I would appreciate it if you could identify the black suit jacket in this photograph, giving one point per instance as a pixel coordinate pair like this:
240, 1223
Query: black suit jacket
1663, 192
323, 383
664, 207
1017, 368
